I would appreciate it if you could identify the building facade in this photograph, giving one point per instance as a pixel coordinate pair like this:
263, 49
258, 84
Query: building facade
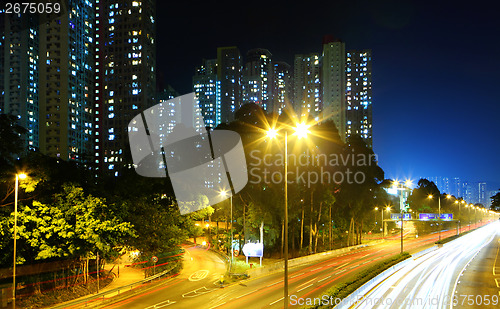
333, 80
307, 85
125, 75
359, 94
229, 67
258, 79
19, 78
206, 86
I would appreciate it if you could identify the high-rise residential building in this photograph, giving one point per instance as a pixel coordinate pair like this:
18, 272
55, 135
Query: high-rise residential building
206, 87
443, 184
257, 81
229, 67
283, 88
66, 74
307, 85
19, 63
359, 94
125, 75
333, 80
188, 115
481, 193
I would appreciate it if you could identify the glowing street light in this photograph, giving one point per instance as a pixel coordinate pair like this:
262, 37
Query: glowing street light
18, 176
301, 131
439, 216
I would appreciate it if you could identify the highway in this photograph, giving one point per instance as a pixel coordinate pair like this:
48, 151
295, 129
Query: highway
479, 285
429, 280
305, 281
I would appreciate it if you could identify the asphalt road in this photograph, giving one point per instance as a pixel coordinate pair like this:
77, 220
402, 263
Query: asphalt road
305, 281
428, 281
479, 285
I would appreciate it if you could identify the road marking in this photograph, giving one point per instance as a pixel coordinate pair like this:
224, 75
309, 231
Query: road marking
198, 275
197, 292
316, 269
217, 305
297, 275
162, 304
307, 282
341, 265
305, 287
274, 283
324, 279
274, 302
497, 281
246, 294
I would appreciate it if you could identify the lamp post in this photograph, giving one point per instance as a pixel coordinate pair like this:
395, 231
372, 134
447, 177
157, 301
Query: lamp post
301, 131
439, 211
18, 176
224, 194
401, 204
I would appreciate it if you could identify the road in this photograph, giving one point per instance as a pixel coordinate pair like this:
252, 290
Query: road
201, 269
479, 285
305, 281
428, 281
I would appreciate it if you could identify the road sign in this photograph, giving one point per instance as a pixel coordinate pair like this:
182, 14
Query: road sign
397, 216
446, 217
154, 259
427, 216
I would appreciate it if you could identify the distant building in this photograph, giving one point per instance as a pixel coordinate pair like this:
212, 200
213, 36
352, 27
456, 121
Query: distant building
333, 81
66, 83
283, 88
258, 77
125, 75
443, 184
359, 94
229, 66
19, 78
206, 87
307, 85
481, 193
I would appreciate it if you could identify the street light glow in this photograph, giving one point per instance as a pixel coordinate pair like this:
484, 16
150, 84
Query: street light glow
223, 193
272, 133
301, 130
22, 176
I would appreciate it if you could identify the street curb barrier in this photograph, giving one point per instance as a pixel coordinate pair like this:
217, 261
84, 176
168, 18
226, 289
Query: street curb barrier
305, 259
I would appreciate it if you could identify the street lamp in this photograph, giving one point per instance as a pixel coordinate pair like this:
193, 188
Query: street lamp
439, 210
18, 176
406, 186
224, 194
301, 131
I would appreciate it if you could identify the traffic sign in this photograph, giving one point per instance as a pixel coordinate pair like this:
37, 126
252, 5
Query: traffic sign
154, 259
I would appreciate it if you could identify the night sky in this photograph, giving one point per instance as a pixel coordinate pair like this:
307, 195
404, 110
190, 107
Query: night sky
435, 69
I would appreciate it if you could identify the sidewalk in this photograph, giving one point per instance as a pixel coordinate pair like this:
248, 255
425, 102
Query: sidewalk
123, 276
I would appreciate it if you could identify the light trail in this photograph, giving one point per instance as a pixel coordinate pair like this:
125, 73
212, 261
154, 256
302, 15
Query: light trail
427, 281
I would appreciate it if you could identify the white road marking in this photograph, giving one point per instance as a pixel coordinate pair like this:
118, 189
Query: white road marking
217, 305
246, 294
162, 304
274, 283
317, 268
305, 287
297, 275
198, 275
324, 279
274, 302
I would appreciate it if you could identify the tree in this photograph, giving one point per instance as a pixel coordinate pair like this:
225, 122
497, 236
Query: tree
11, 139
495, 202
73, 226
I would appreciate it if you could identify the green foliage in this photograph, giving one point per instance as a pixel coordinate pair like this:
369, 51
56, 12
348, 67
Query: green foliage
495, 202
73, 226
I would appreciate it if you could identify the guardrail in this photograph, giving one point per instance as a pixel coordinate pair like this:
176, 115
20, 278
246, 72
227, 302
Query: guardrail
92, 300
